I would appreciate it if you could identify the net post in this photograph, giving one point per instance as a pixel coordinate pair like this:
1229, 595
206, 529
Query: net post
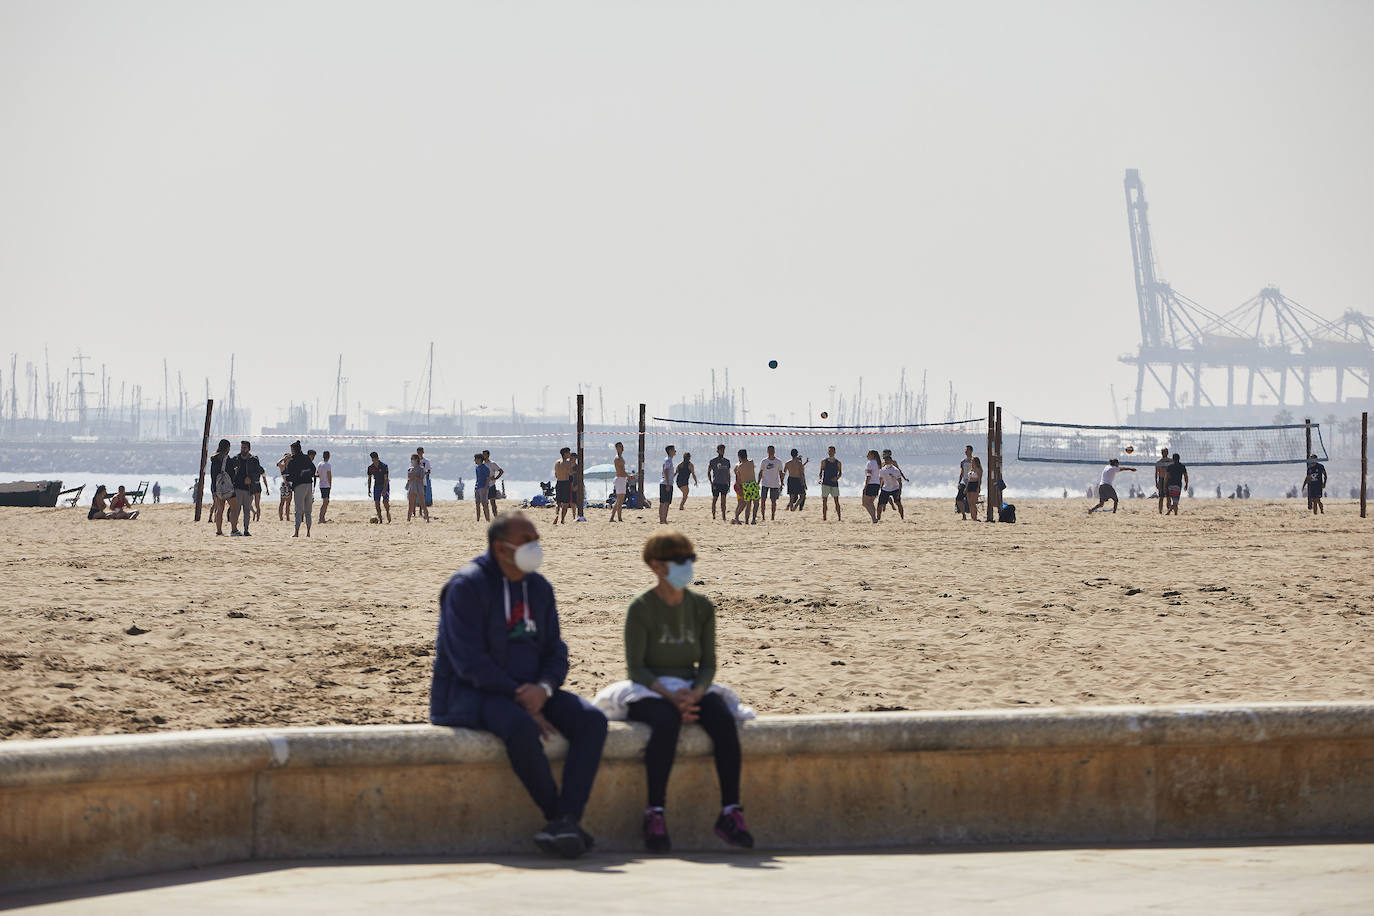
204, 454
639, 472
1364, 458
998, 443
1307, 424
581, 463
987, 470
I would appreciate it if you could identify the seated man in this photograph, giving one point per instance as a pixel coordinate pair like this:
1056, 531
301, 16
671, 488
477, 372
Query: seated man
498, 665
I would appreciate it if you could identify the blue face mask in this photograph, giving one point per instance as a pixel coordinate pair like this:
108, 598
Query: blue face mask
679, 574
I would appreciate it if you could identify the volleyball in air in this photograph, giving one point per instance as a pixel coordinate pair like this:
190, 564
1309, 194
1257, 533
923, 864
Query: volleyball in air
824, 415
1129, 449
772, 364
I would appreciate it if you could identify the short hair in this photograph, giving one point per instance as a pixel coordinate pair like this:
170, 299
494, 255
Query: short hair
564, 450
372, 454
794, 453
326, 454
245, 442
420, 449
968, 448
415, 456
486, 453
687, 455
1176, 457
666, 544
1114, 461
669, 448
720, 447
830, 448
620, 445
502, 523
743, 454
311, 453
771, 449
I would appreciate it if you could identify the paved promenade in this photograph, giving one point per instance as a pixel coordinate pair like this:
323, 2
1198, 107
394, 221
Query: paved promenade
1299, 878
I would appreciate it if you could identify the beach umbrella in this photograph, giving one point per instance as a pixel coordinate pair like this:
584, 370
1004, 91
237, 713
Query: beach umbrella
599, 472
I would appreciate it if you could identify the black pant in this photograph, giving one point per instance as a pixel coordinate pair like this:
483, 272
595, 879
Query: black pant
585, 730
665, 720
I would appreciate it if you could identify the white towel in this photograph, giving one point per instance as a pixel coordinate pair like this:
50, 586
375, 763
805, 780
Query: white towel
615, 700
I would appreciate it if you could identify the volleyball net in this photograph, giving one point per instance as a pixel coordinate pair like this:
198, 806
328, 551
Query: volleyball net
905, 440
1069, 443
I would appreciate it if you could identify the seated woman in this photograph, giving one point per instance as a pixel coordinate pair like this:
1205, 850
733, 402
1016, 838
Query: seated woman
98, 504
670, 649
119, 506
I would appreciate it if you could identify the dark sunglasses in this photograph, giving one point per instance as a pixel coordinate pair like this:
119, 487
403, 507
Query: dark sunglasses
685, 558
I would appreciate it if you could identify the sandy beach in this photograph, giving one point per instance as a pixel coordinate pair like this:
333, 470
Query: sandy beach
159, 624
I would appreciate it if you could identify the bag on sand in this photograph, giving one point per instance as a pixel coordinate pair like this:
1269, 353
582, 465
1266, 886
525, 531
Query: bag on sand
1007, 513
224, 484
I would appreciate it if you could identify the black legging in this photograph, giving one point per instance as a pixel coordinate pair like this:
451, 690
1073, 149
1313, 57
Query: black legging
665, 720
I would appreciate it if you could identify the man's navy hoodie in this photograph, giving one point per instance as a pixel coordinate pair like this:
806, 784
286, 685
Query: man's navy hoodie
474, 658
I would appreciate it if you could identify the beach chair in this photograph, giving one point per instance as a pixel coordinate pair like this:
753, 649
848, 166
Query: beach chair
136, 495
75, 495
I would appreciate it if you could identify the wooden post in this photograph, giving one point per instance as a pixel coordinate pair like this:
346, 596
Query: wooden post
1364, 458
204, 455
987, 468
1307, 421
639, 474
998, 443
581, 464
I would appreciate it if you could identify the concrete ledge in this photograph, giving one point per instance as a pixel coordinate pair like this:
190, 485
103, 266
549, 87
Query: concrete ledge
88, 808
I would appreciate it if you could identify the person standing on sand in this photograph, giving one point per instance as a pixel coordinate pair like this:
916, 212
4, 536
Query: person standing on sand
157, 492
622, 484
1176, 479
415, 489
747, 488
961, 495
481, 484
249, 481
217, 506
429, 488
283, 504
890, 478
562, 485
497, 472
718, 473
795, 470
665, 486
1315, 483
972, 484
1106, 489
770, 481
831, 471
379, 486
300, 471
872, 484
684, 470
324, 473
1162, 477
500, 664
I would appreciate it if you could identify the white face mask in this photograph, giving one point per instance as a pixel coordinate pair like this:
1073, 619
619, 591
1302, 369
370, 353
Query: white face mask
528, 556
679, 575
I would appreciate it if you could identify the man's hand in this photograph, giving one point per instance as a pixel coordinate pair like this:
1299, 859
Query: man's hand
531, 698
687, 701
546, 728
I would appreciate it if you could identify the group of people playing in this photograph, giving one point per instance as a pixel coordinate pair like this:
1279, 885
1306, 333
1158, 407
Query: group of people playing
419, 490
1171, 479
500, 664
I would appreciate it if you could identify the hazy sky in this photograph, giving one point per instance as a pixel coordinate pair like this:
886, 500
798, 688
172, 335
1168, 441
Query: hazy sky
628, 194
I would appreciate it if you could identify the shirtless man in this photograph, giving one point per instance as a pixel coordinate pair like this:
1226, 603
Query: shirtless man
622, 483
770, 479
829, 479
562, 485
1162, 477
748, 489
961, 497
665, 486
718, 473
796, 482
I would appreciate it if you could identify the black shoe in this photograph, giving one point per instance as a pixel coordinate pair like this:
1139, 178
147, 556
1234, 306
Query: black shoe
656, 831
561, 837
730, 828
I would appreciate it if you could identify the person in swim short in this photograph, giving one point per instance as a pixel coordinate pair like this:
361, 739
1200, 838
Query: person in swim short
961, 496
562, 485
665, 485
1177, 480
379, 485
1162, 478
685, 470
481, 485
795, 469
324, 472
622, 484
1106, 489
890, 479
831, 470
1315, 484
748, 489
872, 484
770, 479
718, 472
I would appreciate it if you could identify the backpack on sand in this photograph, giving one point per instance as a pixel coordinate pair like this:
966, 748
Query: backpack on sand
1007, 513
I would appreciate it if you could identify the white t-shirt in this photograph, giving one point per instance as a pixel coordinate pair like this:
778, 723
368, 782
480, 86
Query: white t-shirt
873, 472
890, 477
770, 472
324, 474
495, 468
1109, 474
424, 466
964, 468
668, 470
